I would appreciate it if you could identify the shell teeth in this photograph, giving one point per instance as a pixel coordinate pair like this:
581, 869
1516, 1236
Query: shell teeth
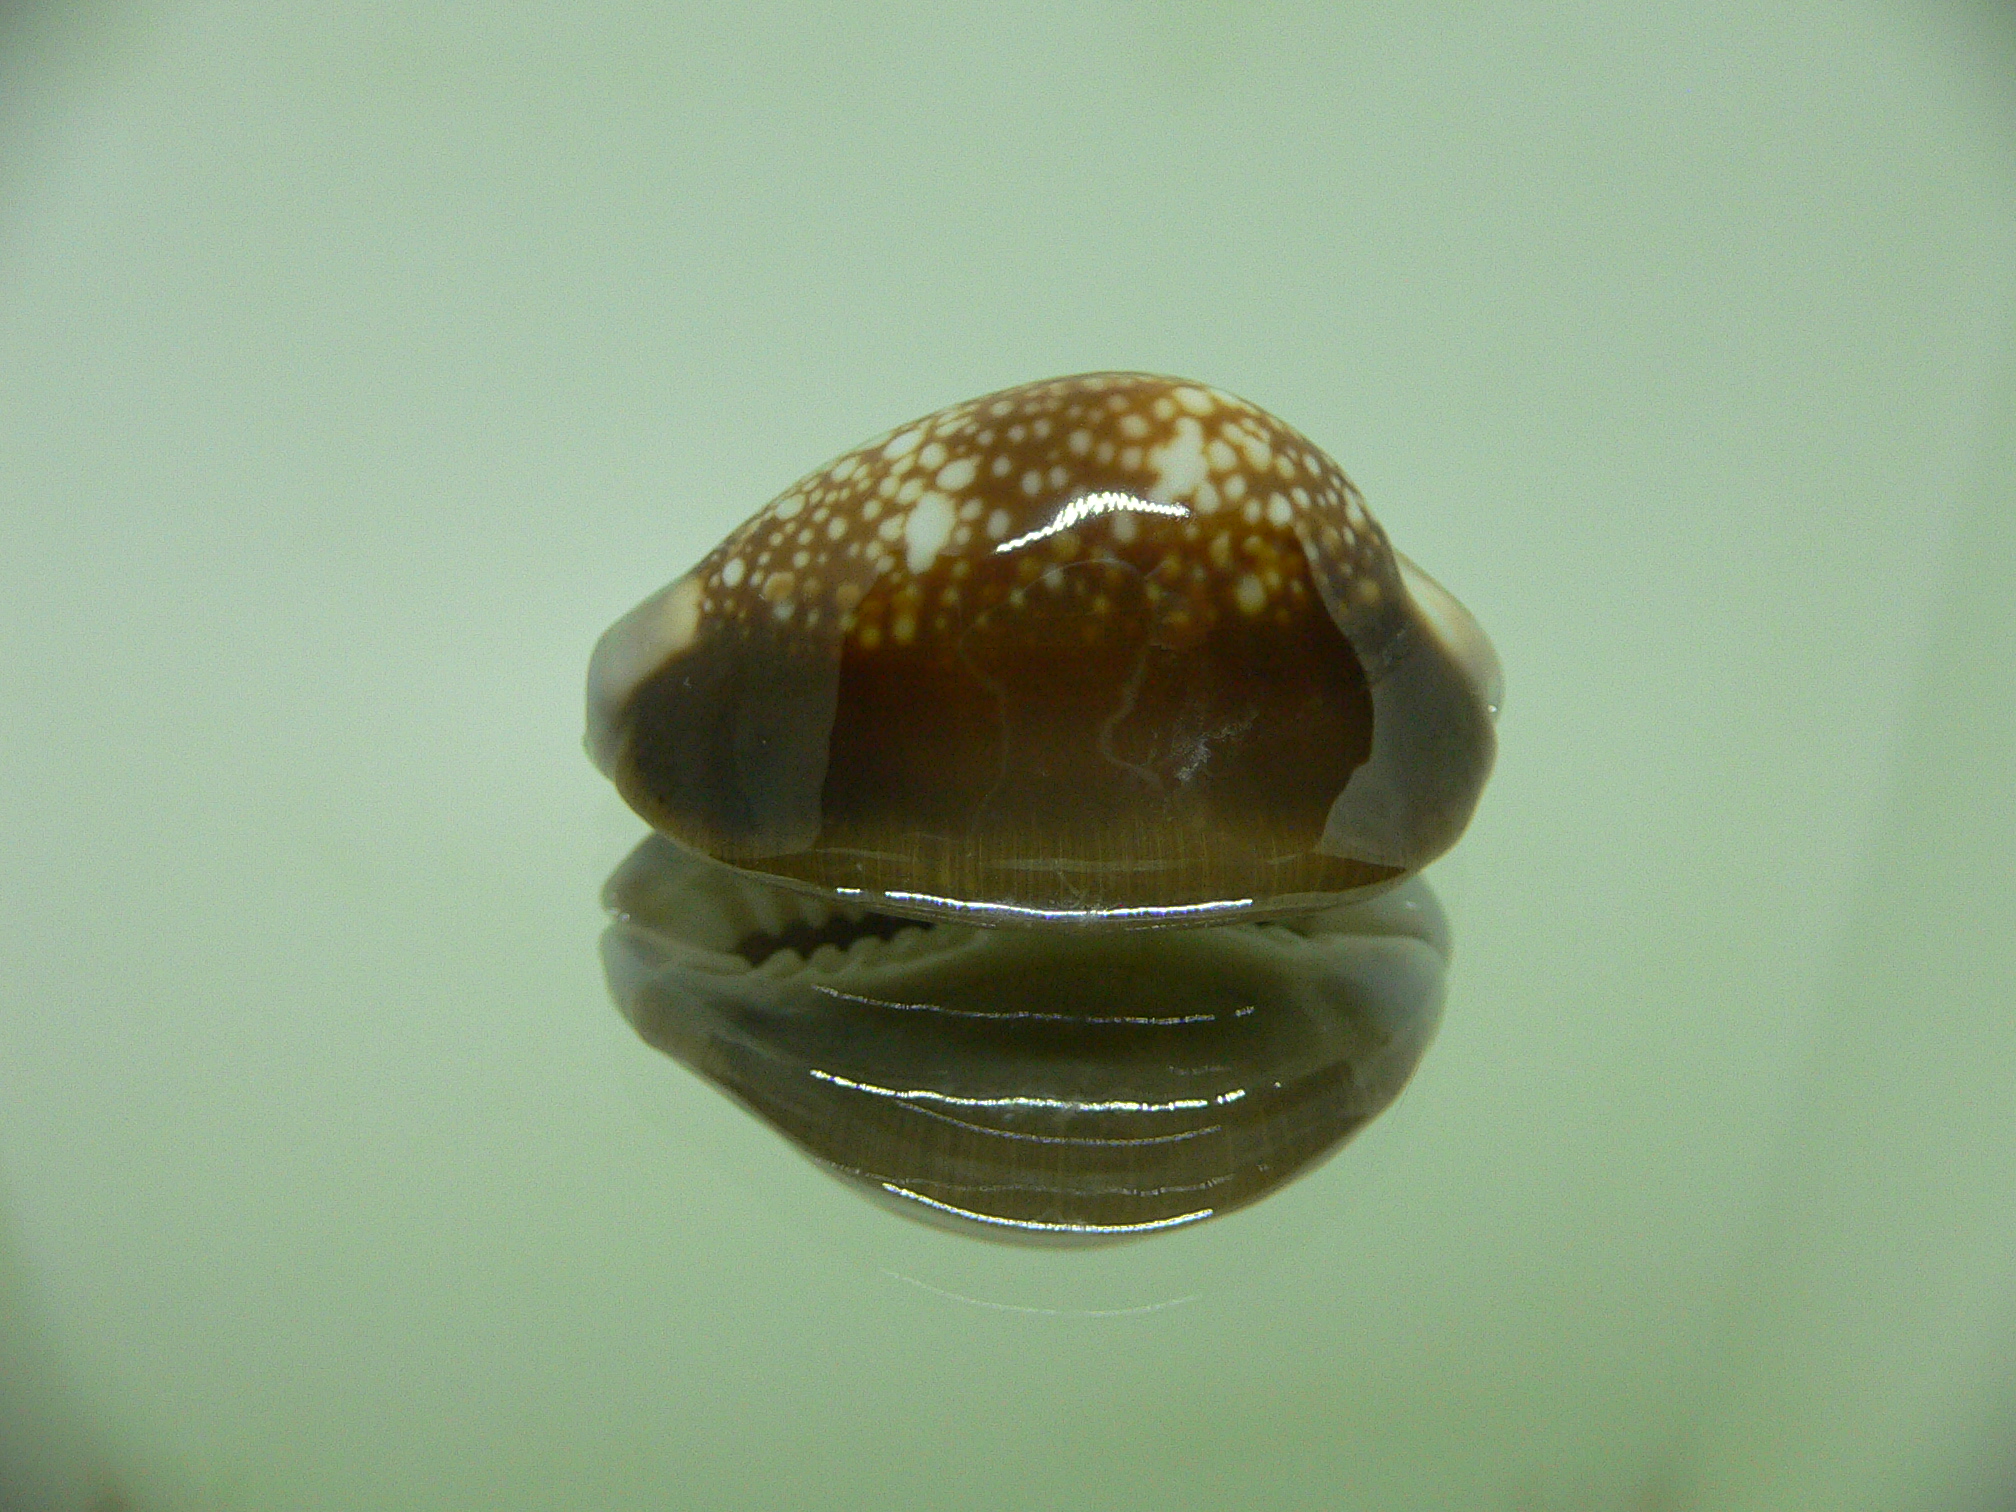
771, 911
908, 943
764, 906
781, 963
710, 919
738, 910
828, 958
943, 937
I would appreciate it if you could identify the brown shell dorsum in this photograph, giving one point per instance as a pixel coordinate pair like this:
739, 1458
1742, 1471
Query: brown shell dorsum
1107, 650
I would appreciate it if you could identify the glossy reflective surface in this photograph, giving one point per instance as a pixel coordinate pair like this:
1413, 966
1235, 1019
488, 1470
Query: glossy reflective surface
1025, 1085
1113, 649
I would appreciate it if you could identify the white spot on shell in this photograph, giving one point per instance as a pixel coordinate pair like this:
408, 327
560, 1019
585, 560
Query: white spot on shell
997, 524
925, 532
1250, 595
954, 476
732, 571
1178, 464
903, 444
1279, 511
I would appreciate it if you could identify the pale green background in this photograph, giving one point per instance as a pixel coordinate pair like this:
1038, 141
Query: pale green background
357, 364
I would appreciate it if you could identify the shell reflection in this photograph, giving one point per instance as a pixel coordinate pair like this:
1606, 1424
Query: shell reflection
1030, 1085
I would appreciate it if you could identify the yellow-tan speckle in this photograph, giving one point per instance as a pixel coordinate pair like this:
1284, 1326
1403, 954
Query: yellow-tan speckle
1216, 508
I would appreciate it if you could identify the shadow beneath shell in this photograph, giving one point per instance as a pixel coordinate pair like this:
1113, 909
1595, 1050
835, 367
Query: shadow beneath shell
1030, 1086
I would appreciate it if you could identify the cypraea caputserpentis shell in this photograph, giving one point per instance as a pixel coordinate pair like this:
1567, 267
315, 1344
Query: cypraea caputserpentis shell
1105, 651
